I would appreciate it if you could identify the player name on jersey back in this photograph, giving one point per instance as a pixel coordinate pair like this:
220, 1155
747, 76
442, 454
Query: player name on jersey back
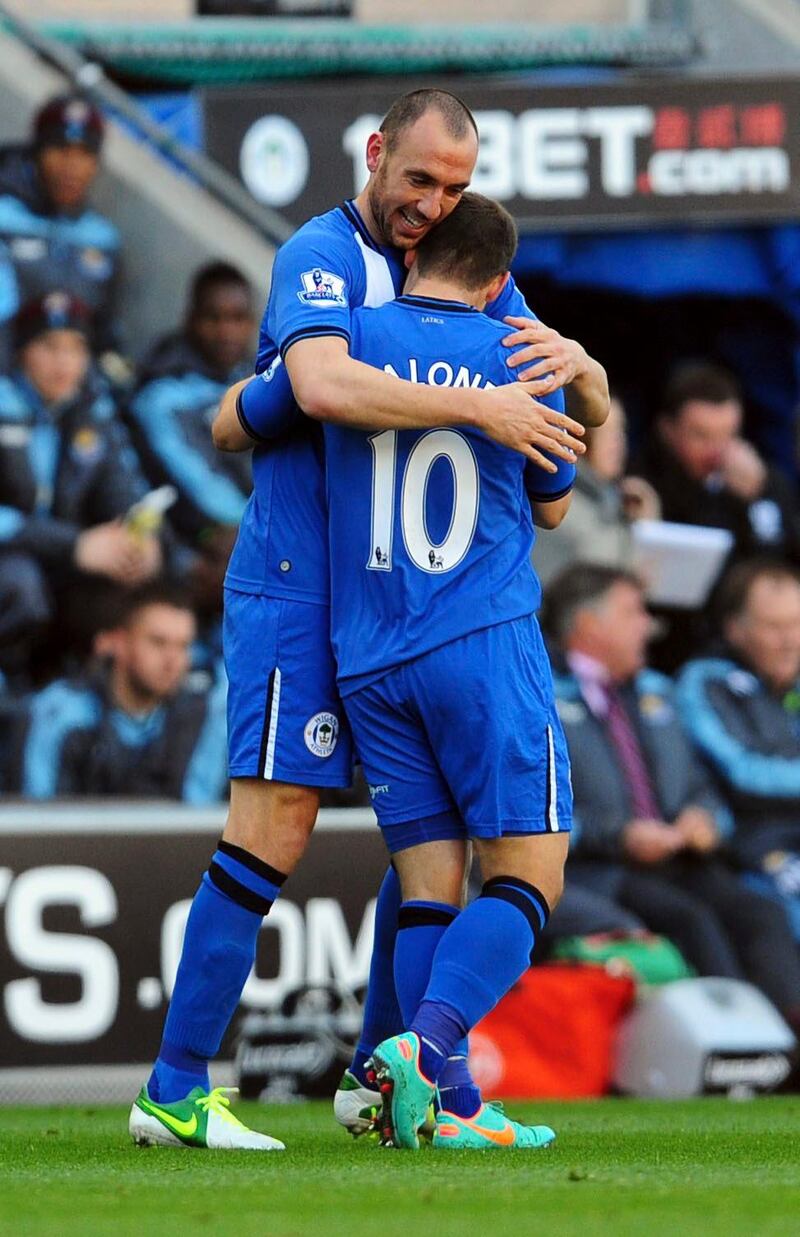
430, 530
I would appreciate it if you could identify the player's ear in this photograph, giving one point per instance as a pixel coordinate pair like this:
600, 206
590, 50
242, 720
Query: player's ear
374, 150
496, 287
409, 258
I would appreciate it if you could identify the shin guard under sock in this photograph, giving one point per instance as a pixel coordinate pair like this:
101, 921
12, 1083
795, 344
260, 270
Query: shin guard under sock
219, 949
480, 957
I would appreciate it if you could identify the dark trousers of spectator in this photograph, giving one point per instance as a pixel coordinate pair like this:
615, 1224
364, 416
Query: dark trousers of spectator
720, 926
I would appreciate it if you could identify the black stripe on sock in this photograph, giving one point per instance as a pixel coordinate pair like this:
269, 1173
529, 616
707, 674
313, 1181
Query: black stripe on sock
424, 916
518, 893
232, 889
262, 756
251, 861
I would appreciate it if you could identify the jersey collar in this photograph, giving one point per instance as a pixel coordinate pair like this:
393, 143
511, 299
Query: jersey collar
351, 213
431, 302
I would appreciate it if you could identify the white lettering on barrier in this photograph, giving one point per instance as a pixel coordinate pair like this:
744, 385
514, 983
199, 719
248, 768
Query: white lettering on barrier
543, 154
330, 954
312, 948
30, 1016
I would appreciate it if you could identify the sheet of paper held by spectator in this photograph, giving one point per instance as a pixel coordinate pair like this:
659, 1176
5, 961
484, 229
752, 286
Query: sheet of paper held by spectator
679, 563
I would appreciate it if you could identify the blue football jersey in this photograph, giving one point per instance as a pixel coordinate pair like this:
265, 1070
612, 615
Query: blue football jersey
330, 267
430, 530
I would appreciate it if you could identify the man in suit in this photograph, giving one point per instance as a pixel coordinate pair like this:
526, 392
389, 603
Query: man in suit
649, 825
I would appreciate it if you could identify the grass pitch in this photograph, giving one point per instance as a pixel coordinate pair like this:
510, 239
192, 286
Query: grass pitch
621, 1167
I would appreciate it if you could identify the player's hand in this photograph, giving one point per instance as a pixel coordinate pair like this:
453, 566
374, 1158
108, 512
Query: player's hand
697, 829
111, 550
147, 561
558, 361
514, 419
639, 500
743, 470
650, 841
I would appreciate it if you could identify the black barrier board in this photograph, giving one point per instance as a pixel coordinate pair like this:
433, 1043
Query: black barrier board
93, 925
649, 150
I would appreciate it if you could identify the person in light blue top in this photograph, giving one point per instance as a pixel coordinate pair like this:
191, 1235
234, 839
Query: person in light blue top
133, 724
51, 236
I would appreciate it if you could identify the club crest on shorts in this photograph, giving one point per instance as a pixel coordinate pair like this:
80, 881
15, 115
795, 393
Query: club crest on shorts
321, 732
322, 288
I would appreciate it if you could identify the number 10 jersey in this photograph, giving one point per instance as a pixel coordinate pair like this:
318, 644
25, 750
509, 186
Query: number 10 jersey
430, 530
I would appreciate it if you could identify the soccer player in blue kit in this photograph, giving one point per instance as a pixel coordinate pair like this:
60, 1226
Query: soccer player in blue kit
445, 679
286, 732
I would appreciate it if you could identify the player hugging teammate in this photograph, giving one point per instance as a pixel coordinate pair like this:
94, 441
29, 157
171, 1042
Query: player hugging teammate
415, 469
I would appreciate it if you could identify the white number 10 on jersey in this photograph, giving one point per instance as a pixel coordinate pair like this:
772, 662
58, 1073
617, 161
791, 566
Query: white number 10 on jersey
436, 444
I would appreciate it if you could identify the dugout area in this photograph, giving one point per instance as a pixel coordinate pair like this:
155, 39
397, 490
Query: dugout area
644, 301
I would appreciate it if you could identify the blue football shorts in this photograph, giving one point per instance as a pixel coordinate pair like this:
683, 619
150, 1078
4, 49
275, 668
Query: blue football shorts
465, 741
285, 717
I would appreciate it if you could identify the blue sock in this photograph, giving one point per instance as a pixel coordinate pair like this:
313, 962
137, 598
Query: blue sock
421, 926
480, 957
382, 1017
458, 1092
219, 949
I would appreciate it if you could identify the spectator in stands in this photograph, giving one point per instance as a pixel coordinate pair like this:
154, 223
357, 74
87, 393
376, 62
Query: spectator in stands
68, 474
171, 411
742, 709
131, 725
648, 821
604, 504
706, 473
53, 239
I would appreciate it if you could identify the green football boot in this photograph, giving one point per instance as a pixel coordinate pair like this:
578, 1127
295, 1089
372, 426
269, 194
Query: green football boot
406, 1093
355, 1107
489, 1130
202, 1119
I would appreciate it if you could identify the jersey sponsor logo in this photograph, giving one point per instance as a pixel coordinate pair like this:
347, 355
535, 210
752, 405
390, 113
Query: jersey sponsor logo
86, 445
321, 734
742, 683
381, 789
322, 288
96, 264
14, 435
27, 248
655, 708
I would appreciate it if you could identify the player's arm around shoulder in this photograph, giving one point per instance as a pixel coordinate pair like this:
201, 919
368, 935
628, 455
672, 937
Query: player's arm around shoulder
550, 514
256, 411
331, 385
227, 432
550, 361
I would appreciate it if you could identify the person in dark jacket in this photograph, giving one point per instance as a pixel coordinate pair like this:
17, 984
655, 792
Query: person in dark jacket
170, 416
742, 710
68, 474
134, 726
649, 823
706, 473
52, 237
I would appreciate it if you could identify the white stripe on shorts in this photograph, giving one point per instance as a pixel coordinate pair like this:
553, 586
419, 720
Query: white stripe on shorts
269, 761
552, 815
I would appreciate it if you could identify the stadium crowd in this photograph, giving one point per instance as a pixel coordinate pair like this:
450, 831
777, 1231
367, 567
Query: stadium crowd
686, 769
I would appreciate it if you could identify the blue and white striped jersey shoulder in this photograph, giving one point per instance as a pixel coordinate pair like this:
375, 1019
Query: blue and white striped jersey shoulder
330, 266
